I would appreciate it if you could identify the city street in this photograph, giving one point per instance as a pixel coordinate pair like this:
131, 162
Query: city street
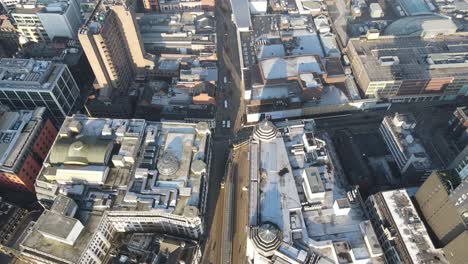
212, 253
227, 93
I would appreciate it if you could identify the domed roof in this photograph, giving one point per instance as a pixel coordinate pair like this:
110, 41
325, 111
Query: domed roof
168, 164
268, 233
265, 131
419, 25
267, 238
198, 166
266, 125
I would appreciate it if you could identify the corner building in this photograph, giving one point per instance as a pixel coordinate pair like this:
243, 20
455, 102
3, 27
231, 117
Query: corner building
118, 176
25, 139
27, 83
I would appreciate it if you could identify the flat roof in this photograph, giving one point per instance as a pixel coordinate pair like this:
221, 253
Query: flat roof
28, 73
279, 194
315, 182
270, 51
412, 53
410, 227
55, 224
287, 67
17, 128
36, 242
308, 43
241, 14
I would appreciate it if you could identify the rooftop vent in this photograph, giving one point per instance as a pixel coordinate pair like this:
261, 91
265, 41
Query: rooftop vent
75, 126
389, 60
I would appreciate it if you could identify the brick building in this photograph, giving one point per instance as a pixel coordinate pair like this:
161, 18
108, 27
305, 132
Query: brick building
25, 140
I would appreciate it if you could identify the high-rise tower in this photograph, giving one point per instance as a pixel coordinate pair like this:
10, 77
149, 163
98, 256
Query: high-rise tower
112, 43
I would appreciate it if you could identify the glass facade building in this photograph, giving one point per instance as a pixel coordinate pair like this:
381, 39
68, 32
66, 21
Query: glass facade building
46, 84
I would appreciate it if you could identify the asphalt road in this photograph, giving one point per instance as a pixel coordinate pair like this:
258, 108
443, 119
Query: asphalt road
214, 217
212, 253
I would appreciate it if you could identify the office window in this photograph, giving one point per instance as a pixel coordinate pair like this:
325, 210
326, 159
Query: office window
11, 94
35, 96
23, 95
18, 104
56, 90
40, 102
66, 74
5, 101
71, 84
61, 100
29, 103
47, 97
60, 83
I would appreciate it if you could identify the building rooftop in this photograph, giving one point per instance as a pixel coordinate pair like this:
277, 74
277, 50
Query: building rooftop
400, 58
194, 22
410, 227
115, 168
27, 8
283, 170
57, 226
63, 51
414, 7
37, 242
417, 25
270, 51
151, 247
401, 128
241, 14
16, 131
289, 67
28, 73
296, 33
158, 162
306, 42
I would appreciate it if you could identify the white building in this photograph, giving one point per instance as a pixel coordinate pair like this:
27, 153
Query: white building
258, 6
322, 24
61, 19
313, 185
375, 10
28, 24
407, 151
318, 223
39, 23
9, 4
